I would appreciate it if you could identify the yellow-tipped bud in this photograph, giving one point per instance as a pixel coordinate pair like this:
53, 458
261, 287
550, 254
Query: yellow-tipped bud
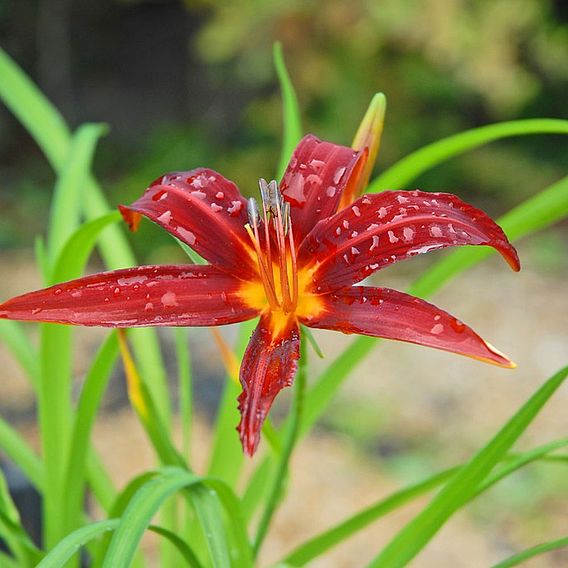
368, 137
133, 380
228, 357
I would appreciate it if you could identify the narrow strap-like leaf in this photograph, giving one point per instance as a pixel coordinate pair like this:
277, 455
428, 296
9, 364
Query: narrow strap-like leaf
46, 125
292, 125
525, 555
321, 543
66, 204
147, 501
411, 166
93, 389
19, 344
416, 534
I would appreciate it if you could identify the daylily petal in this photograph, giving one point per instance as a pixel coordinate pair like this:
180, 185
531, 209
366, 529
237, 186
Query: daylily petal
368, 137
133, 297
269, 365
380, 229
316, 176
382, 312
204, 210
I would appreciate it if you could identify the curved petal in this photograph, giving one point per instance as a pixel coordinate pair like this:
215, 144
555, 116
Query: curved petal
269, 364
380, 229
316, 176
205, 211
382, 312
134, 297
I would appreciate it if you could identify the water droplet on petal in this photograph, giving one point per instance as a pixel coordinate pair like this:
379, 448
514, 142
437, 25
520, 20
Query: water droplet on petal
186, 235
338, 174
169, 300
392, 237
165, 217
437, 329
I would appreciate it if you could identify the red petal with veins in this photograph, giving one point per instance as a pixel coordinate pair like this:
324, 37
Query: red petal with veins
269, 365
316, 176
204, 210
382, 312
377, 230
133, 297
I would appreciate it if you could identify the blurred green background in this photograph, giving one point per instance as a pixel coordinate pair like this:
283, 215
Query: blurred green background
191, 83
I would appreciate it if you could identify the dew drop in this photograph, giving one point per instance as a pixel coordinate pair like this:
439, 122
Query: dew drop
435, 231
165, 217
169, 300
338, 174
186, 235
408, 234
392, 237
235, 207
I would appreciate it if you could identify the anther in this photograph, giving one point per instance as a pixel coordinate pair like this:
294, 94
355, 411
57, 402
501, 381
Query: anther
286, 217
253, 212
271, 197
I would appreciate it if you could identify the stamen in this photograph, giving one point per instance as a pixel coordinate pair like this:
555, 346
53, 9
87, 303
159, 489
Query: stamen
294, 265
268, 244
253, 212
285, 285
286, 215
277, 210
268, 287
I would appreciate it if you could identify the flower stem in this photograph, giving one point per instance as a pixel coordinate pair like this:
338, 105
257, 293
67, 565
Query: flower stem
291, 437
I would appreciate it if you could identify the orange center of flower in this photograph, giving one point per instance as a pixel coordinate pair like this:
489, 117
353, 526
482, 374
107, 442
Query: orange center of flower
282, 286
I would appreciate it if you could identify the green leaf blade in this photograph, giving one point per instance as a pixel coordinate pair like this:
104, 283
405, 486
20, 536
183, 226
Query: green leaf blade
292, 124
411, 166
416, 534
66, 202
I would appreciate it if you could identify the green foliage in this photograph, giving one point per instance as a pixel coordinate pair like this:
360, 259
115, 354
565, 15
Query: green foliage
521, 557
455, 494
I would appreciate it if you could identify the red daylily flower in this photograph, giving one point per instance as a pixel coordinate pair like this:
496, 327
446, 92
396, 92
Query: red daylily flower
293, 260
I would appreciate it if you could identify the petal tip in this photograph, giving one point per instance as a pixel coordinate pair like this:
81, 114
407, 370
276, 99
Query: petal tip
501, 360
249, 434
132, 218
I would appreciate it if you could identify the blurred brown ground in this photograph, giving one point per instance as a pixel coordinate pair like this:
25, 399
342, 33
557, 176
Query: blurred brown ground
406, 412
